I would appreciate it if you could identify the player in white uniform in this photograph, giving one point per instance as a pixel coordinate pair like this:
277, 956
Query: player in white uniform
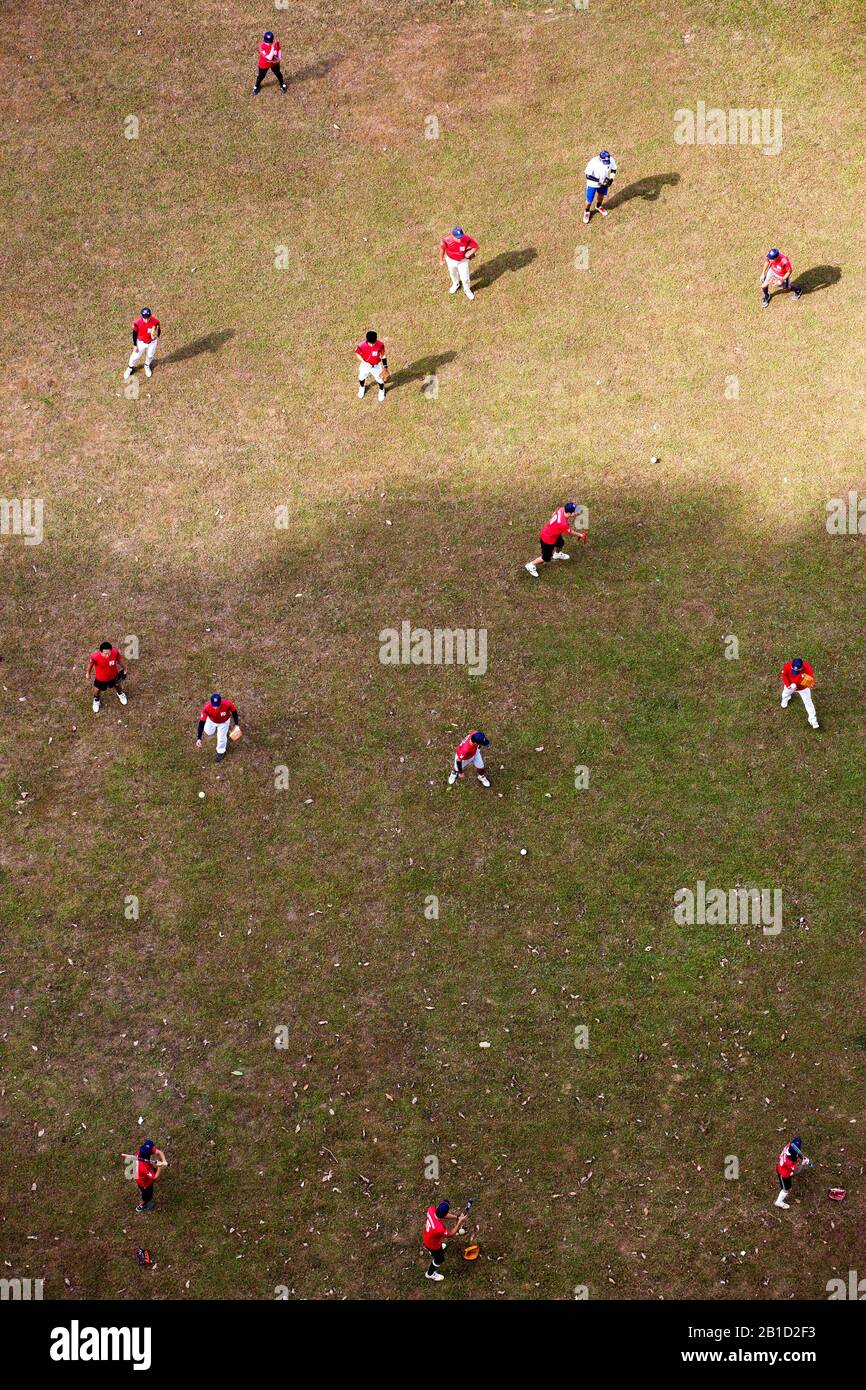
600, 174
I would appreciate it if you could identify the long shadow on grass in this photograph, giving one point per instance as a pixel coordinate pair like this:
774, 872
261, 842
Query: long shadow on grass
648, 189
320, 68
212, 342
491, 271
818, 277
423, 368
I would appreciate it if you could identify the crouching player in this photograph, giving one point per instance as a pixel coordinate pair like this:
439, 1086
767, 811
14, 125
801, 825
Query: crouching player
776, 275
469, 751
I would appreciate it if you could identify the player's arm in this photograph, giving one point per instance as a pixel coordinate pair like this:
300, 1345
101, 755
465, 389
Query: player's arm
442, 253
134, 336
235, 716
472, 247
199, 731
161, 1163
90, 668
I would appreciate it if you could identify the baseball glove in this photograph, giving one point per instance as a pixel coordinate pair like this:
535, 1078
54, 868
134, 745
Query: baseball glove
386, 375
806, 682
236, 733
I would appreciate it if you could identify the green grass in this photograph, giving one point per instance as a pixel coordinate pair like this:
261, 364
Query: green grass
305, 907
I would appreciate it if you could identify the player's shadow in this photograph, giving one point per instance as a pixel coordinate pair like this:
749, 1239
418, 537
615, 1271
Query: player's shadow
424, 368
312, 71
817, 277
648, 189
490, 271
211, 343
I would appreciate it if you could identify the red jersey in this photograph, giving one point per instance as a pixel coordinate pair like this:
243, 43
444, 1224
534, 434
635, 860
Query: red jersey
218, 714
371, 352
780, 266
146, 1173
467, 749
107, 665
788, 677
456, 246
434, 1230
557, 526
786, 1165
270, 54
146, 330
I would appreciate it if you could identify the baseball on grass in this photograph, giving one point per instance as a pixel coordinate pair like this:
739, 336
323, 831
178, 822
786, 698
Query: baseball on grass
201, 794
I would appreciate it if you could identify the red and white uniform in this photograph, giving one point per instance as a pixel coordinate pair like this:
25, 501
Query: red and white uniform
558, 525
434, 1230
776, 271
786, 1166
371, 356
107, 666
793, 685
146, 337
455, 249
146, 1173
465, 753
270, 55
216, 720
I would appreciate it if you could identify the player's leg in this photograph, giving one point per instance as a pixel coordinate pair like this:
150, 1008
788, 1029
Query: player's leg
117, 686
377, 377
210, 728
590, 194
478, 763
149, 354
806, 697
98, 687
465, 272
222, 742
599, 202
437, 1258
558, 552
134, 358
278, 74
454, 272
364, 371
784, 1189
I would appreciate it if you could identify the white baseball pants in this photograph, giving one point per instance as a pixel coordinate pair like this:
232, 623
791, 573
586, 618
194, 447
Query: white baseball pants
221, 731
366, 369
477, 761
145, 350
789, 691
459, 272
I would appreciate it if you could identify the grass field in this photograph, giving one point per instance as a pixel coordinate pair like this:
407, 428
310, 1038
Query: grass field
307, 908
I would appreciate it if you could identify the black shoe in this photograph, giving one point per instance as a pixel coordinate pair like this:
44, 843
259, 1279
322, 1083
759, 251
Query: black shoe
798, 294
219, 757
283, 87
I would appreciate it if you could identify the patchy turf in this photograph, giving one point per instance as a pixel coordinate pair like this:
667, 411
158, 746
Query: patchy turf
304, 908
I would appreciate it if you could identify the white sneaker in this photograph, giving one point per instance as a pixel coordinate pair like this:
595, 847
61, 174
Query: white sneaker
121, 695
561, 555
531, 568
361, 390
127, 374
452, 778
469, 295
148, 371
96, 706
783, 1205
586, 217
485, 781
816, 725
435, 1275
454, 288
381, 393
603, 212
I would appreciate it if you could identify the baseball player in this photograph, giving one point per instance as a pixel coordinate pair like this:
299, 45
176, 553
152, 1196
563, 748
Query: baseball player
106, 667
776, 275
469, 751
373, 363
790, 1161
600, 173
145, 336
552, 537
798, 679
435, 1232
215, 718
151, 1166
456, 251
270, 57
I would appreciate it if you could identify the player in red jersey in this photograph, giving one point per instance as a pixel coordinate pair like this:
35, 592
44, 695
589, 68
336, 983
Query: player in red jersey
776, 275
270, 57
373, 363
469, 751
435, 1233
106, 666
215, 718
145, 335
790, 1161
552, 538
798, 679
456, 251
150, 1168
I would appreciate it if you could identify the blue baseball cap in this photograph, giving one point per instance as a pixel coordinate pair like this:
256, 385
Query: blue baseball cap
268, 37
571, 506
457, 231
216, 699
480, 739
773, 254
146, 1149
797, 664
443, 1209
145, 313
796, 1144
605, 156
